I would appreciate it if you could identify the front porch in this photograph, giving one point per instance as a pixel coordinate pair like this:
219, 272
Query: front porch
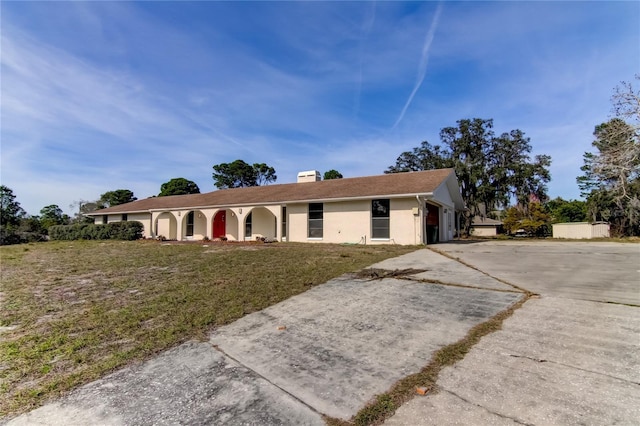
232, 224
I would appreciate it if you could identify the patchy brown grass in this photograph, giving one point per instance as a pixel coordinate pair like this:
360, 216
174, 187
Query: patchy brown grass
72, 311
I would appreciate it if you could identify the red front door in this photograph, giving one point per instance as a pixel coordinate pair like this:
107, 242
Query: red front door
219, 224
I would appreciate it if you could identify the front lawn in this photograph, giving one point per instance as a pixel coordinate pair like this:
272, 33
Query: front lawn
72, 311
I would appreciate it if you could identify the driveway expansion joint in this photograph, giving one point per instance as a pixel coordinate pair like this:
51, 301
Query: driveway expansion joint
217, 348
468, 265
495, 413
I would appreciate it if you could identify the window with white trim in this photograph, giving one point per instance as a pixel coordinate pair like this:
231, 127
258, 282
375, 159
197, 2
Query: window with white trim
190, 218
284, 222
380, 219
316, 215
248, 225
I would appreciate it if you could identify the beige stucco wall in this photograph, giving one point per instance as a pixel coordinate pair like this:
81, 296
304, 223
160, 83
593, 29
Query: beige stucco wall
263, 224
167, 226
350, 222
144, 218
484, 231
297, 222
580, 230
405, 227
232, 231
199, 225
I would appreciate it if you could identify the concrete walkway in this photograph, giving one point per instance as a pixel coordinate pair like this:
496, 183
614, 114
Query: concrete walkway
571, 356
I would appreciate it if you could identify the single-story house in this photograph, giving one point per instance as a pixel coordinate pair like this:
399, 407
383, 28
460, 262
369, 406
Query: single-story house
485, 227
580, 230
400, 208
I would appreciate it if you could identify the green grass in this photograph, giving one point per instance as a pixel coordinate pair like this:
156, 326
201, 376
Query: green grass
77, 310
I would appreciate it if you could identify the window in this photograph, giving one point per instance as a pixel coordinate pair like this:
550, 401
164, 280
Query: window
124, 217
247, 225
190, 224
284, 222
315, 220
380, 219
105, 218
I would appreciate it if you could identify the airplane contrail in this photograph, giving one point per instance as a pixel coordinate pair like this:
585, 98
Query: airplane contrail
422, 69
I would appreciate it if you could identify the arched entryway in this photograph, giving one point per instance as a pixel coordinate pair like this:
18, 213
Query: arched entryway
260, 223
194, 225
166, 226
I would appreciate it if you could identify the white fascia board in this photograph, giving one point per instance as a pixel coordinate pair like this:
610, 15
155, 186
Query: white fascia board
98, 213
318, 200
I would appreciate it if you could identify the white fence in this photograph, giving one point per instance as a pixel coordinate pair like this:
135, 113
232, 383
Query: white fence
581, 230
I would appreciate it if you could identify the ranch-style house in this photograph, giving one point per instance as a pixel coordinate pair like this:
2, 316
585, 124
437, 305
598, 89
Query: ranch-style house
399, 208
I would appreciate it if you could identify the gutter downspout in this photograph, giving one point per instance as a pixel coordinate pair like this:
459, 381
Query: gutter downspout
422, 225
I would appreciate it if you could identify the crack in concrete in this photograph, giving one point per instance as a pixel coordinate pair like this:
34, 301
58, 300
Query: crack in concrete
575, 368
495, 413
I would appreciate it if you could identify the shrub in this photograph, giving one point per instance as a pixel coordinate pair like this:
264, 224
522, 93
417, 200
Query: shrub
84, 231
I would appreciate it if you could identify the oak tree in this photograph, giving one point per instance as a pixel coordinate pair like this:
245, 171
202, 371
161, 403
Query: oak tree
492, 170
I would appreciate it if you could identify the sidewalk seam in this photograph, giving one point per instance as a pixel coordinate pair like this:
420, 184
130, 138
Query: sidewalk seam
217, 348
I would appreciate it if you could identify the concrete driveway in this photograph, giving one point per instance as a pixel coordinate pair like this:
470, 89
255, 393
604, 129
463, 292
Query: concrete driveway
325, 352
569, 356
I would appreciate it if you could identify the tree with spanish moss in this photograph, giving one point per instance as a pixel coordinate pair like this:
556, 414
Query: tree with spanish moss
493, 171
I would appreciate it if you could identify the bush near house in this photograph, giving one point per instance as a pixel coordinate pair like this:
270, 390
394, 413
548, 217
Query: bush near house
127, 231
534, 221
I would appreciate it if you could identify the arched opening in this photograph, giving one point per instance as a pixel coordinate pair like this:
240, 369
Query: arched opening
194, 225
260, 223
166, 226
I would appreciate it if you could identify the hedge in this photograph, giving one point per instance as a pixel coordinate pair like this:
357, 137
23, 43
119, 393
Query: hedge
88, 231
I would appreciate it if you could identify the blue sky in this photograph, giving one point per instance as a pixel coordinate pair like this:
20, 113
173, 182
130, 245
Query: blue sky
98, 96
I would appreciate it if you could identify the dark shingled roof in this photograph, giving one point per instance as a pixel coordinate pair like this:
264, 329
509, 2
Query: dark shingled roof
370, 186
